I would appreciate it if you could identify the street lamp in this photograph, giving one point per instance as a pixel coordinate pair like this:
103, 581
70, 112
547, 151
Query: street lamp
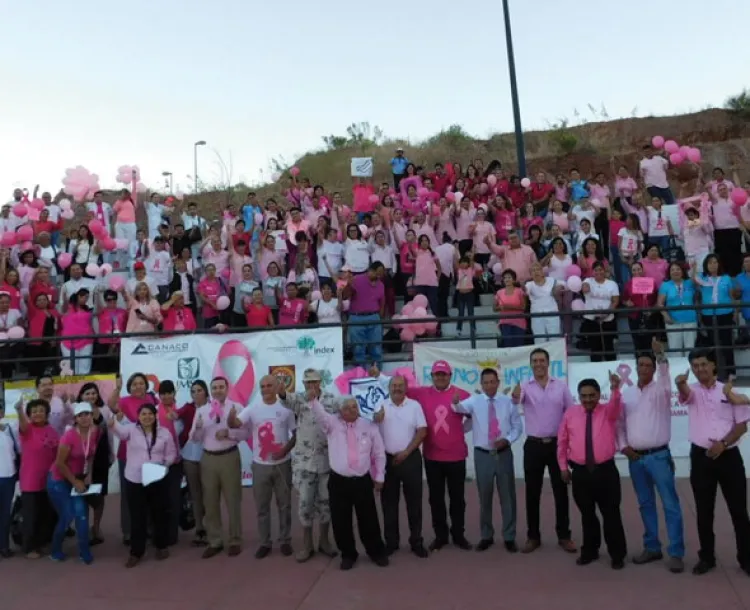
195, 163
520, 148
168, 175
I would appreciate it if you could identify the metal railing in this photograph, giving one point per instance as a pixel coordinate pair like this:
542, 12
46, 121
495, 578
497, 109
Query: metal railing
22, 357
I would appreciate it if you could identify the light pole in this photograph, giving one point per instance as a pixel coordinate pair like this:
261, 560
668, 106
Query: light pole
195, 163
168, 175
520, 148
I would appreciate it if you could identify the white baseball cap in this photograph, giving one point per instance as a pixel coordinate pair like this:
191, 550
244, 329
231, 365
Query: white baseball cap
81, 407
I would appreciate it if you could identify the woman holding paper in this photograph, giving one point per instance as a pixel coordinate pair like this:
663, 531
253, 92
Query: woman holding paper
151, 450
640, 292
71, 473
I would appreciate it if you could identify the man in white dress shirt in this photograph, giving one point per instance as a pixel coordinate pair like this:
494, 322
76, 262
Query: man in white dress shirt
403, 427
496, 425
643, 435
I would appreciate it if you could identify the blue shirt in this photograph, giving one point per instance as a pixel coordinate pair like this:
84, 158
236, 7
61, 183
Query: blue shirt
742, 282
684, 295
398, 165
248, 216
579, 189
717, 292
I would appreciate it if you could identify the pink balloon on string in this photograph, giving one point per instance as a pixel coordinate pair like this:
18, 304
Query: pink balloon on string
694, 155
738, 196
20, 210
25, 233
64, 260
676, 158
657, 141
671, 146
572, 271
294, 171
420, 301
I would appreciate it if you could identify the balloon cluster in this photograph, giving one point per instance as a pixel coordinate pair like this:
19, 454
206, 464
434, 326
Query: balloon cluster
677, 154
80, 183
66, 209
415, 310
126, 174
14, 332
99, 231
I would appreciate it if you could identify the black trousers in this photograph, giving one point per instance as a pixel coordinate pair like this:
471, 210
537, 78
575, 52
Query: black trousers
443, 294
38, 520
600, 489
727, 245
450, 475
174, 502
601, 339
720, 331
347, 494
409, 475
706, 475
147, 502
538, 456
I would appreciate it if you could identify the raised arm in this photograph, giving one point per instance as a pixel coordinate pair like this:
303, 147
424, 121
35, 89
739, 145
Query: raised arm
324, 419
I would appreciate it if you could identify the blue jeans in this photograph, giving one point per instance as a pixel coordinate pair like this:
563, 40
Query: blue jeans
366, 339
512, 336
7, 491
68, 508
657, 470
614, 252
660, 240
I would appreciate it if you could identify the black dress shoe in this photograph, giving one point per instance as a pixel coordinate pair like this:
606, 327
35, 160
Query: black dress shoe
420, 551
703, 567
484, 544
437, 544
462, 543
618, 564
286, 549
510, 546
390, 550
347, 563
381, 562
263, 552
585, 560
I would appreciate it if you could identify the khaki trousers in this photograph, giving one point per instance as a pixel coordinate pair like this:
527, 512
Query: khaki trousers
221, 475
268, 481
193, 475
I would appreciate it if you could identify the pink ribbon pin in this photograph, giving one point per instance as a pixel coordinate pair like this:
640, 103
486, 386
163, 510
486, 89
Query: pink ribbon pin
217, 411
623, 372
235, 364
441, 423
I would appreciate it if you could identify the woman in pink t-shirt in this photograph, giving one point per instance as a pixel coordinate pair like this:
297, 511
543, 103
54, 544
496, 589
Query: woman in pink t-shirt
77, 322
258, 314
125, 227
293, 310
210, 288
38, 444
510, 299
426, 273
177, 315
478, 232
113, 321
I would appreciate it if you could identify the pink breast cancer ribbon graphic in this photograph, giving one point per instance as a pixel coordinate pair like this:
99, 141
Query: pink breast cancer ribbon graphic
441, 420
623, 372
235, 363
267, 441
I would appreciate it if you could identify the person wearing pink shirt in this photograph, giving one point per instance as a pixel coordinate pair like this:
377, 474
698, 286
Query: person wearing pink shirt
481, 232
717, 420
727, 234
516, 256
113, 321
125, 227
357, 458
427, 271
586, 447
77, 323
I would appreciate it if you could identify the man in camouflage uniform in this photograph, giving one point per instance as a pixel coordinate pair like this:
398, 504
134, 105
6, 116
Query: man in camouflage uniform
310, 465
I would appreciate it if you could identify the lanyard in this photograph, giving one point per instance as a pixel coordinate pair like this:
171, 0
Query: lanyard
149, 446
86, 447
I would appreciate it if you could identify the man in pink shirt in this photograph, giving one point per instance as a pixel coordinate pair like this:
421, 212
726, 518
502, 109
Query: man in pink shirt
357, 456
717, 419
516, 256
586, 447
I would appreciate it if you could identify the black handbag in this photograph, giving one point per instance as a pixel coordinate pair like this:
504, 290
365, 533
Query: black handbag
187, 519
673, 252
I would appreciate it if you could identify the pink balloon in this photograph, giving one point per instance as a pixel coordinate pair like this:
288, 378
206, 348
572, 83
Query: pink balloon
34, 214
64, 260
676, 158
96, 227
3, 336
374, 199
225, 273
492, 179
108, 244
121, 243
684, 151
106, 269
423, 192
8, 239
436, 210
25, 246
574, 283
657, 142
408, 309
420, 301
25, 233
738, 196
222, 303
294, 171
398, 317
694, 155
407, 335
573, 271
316, 296
116, 281
671, 146
37, 204
430, 327
419, 312
67, 214
418, 329
451, 197
578, 305
20, 210
525, 183
93, 270
497, 268
16, 332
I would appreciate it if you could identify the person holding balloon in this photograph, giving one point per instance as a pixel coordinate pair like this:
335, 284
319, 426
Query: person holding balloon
77, 325
652, 171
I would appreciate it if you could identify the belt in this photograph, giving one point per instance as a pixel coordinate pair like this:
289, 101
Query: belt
492, 451
222, 451
576, 465
364, 313
650, 451
546, 440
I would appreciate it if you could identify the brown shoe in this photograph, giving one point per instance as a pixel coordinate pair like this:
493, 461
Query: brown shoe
161, 554
234, 550
211, 551
531, 546
132, 561
568, 545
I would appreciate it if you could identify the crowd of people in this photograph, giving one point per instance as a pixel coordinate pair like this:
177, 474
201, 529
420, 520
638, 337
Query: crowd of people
331, 257
320, 445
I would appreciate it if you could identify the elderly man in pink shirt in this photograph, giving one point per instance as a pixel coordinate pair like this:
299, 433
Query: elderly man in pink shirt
516, 256
717, 420
357, 457
586, 447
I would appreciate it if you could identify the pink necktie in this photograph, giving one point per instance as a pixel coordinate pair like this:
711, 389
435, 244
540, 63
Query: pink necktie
493, 427
352, 456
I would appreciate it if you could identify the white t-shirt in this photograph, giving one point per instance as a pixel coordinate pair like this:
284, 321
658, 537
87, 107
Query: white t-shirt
357, 255
48, 254
154, 212
158, 266
558, 267
70, 287
541, 298
400, 423
328, 313
579, 214
629, 241
334, 253
657, 223
600, 296
54, 211
272, 428
12, 318
654, 171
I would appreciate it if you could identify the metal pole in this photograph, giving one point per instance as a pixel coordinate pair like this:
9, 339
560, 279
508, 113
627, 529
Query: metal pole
520, 148
195, 168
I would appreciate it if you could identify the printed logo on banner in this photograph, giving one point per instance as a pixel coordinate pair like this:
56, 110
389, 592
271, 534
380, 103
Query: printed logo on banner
287, 374
368, 392
157, 349
308, 346
188, 369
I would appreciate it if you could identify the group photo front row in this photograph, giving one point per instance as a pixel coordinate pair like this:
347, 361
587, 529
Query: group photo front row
343, 463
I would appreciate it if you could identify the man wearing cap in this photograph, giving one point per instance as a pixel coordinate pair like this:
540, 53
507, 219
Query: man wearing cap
310, 466
139, 269
399, 163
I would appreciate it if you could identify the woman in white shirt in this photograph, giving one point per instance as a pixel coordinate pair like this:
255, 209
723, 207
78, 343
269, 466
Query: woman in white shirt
9, 449
329, 307
600, 330
543, 292
630, 240
85, 249
356, 250
330, 257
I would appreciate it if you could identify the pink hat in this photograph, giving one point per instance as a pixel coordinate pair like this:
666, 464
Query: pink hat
441, 366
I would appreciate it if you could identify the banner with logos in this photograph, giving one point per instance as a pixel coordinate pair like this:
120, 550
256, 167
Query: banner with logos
241, 358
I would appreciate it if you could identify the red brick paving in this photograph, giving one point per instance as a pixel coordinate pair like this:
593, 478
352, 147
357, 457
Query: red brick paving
449, 580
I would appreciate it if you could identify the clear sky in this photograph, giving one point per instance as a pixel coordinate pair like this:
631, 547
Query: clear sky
104, 83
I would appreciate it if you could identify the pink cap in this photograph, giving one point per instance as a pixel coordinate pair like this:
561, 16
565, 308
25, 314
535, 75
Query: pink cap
441, 366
